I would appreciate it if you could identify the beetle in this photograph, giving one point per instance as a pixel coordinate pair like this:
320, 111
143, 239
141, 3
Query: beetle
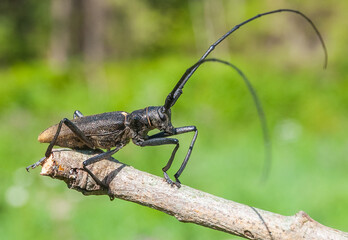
113, 130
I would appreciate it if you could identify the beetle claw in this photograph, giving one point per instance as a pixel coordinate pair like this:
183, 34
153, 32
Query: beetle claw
170, 181
178, 184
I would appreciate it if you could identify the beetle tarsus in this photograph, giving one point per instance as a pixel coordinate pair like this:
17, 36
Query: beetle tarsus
170, 181
36, 164
177, 183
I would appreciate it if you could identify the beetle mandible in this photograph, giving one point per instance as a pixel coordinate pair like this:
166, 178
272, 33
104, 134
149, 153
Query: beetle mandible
116, 129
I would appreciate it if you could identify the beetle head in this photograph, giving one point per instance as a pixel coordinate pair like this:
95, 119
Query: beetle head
160, 119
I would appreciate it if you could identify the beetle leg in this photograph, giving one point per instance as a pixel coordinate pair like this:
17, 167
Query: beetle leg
179, 130
74, 129
36, 164
97, 158
163, 141
183, 165
77, 114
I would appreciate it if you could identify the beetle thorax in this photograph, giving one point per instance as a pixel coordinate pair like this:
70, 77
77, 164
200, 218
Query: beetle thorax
144, 120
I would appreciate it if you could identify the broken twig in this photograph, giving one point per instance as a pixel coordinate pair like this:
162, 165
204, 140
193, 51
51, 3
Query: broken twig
185, 203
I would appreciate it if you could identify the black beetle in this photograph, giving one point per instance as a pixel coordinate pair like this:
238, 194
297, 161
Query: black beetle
116, 129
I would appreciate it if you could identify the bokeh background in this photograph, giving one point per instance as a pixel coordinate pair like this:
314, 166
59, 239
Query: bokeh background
98, 56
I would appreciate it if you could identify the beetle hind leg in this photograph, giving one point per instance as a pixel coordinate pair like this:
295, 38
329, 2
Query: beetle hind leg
74, 129
36, 164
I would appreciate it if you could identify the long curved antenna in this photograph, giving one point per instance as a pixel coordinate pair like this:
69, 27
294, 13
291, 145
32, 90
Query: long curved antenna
177, 91
260, 112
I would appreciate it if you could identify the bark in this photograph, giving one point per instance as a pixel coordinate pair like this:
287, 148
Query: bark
186, 204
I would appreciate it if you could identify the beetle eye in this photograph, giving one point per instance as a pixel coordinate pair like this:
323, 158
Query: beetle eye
161, 114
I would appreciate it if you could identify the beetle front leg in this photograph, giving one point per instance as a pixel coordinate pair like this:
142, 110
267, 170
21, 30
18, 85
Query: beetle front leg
179, 130
164, 141
188, 154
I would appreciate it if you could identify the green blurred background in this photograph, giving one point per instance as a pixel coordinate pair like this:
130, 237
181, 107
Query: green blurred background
97, 56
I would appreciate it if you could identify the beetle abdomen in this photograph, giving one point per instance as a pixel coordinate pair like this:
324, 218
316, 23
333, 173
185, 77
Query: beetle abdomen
104, 130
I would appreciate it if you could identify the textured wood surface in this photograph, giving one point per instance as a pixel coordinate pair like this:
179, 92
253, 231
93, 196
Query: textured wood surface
186, 204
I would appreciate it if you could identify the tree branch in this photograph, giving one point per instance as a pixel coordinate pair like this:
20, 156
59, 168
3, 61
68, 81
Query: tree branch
186, 204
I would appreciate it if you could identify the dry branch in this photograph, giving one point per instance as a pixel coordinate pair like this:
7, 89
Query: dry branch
186, 204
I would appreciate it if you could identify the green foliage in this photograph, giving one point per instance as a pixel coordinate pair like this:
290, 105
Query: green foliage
305, 107
24, 28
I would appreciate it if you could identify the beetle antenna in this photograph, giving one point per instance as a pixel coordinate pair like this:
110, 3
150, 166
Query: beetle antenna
262, 118
257, 102
177, 91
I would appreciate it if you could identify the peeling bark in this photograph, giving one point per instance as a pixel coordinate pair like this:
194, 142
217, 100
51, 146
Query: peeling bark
186, 204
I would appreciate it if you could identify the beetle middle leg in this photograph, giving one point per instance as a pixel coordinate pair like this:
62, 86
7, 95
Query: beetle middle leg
97, 158
77, 114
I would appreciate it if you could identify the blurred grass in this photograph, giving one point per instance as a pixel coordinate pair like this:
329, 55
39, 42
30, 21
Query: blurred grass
306, 108
306, 114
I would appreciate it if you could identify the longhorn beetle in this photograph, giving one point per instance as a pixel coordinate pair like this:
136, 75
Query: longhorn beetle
116, 129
